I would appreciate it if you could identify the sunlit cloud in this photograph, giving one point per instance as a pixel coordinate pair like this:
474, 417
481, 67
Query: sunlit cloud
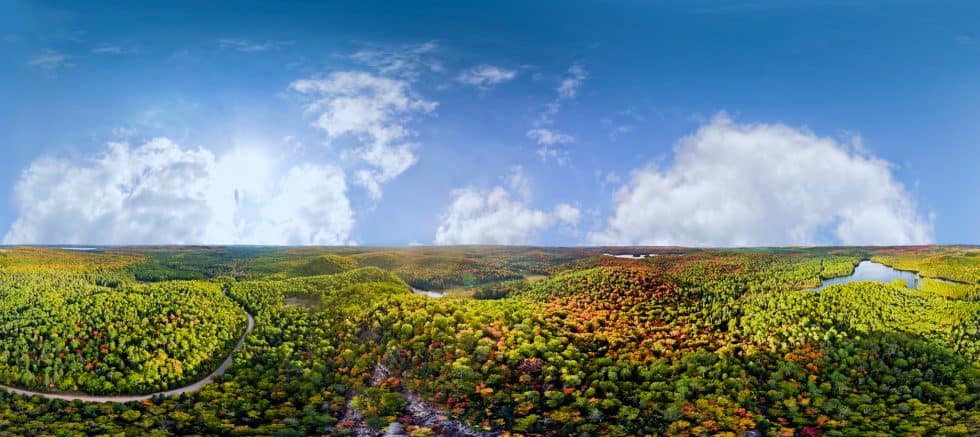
161, 193
736, 184
495, 216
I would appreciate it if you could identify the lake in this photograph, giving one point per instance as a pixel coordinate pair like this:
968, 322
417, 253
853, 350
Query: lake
872, 271
629, 256
434, 294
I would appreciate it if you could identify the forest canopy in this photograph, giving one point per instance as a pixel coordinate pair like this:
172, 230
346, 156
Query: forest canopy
526, 341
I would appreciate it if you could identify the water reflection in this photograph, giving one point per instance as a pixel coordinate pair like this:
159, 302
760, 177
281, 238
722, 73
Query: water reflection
434, 294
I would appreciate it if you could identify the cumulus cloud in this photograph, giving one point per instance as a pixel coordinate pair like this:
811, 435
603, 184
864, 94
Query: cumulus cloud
310, 207
736, 184
476, 217
494, 217
486, 76
372, 109
162, 193
567, 214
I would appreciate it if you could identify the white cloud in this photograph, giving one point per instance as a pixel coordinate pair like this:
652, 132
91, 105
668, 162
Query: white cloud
489, 218
567, 214
547, 153
50, 61
107, 50
161, 193
113, 50
247, 46
372, 109
519, 182
571, 83
612, 178
567, 90
405, 61
758, 184
493, 217
486, 76
311, 207
549, 136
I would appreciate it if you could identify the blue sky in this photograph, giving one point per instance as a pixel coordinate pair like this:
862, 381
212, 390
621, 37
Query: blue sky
695, 123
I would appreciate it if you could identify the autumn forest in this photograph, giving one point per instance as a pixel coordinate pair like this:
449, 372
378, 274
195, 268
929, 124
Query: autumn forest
488, 341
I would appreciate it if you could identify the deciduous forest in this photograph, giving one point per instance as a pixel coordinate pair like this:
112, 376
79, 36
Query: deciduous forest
507, 341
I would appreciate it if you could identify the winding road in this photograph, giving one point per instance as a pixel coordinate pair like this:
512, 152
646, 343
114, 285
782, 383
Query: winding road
134, 398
